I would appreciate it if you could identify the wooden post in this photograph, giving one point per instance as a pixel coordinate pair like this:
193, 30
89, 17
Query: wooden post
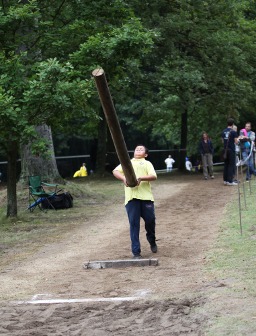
114, 126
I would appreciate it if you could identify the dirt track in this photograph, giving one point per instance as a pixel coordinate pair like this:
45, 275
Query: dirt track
165, 300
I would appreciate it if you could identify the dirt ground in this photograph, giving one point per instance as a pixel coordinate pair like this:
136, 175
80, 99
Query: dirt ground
51, 293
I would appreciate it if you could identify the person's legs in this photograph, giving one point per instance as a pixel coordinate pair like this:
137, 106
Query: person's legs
133, 212
251, 166
225, 171
148, 215
210, 163
231, 165
204, 162
244, 157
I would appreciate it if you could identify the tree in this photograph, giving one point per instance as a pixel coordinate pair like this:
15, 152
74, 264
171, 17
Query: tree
24, 104
43, 163
200, 72
39, 84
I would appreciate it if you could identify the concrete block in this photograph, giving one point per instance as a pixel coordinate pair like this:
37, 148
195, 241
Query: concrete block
98, 264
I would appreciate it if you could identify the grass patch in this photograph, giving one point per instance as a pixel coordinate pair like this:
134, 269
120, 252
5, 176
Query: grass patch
30, 230
235, 254
234, 258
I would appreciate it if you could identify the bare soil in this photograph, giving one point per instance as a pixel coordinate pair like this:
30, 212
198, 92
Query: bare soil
172, 298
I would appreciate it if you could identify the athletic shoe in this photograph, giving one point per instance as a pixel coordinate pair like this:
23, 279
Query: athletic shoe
206, 178
225, 182
232, 183
153, 248
212, 177
137, 256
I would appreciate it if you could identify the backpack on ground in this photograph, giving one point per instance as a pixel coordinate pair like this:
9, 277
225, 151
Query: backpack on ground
59, 201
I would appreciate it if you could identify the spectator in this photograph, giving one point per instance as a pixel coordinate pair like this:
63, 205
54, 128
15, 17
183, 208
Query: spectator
169, 163
206, 151
229, 139
246, 139
82, 172
188, 164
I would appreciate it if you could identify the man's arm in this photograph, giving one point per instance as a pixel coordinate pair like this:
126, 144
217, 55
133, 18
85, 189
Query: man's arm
122, 178
147, 178
119, 175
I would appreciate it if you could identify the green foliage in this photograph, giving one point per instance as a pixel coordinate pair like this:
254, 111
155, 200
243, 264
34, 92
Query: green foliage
202, 62
49, 49
50, 95
174, 67
201, 65
54, 95
47, 52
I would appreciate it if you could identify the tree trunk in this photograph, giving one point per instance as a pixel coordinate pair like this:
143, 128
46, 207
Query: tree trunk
183, 139
12, 156
102, 145
41, 164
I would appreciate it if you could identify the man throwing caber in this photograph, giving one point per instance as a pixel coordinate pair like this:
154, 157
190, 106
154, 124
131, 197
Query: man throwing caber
139, 201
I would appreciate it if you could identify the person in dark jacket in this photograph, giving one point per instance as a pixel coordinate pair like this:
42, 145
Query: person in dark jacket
206, 151
229, 139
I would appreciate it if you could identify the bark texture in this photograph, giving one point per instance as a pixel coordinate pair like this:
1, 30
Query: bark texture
183, 139
12, 155
41, 164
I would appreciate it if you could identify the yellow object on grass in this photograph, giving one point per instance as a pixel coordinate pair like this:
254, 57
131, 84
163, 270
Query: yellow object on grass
82, 172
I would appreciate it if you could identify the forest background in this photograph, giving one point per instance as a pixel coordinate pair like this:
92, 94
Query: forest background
175, 68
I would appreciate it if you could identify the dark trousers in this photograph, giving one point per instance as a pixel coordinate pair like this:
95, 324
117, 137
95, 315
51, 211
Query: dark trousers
229, 166
249, 163
137, 209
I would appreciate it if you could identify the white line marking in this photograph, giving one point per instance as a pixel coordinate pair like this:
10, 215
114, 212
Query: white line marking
79, 300
36, 299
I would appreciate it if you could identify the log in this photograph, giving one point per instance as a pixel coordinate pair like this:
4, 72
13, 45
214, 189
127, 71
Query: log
99, 264
114, 126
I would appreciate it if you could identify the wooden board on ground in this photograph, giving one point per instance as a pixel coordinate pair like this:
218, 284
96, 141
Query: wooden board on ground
99, 264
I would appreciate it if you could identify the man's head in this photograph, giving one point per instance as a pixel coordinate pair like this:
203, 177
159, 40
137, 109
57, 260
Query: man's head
204, 135
140, 152
230, 122
248, 126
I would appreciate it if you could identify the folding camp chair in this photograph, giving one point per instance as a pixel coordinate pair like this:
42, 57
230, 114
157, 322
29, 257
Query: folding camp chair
37, 193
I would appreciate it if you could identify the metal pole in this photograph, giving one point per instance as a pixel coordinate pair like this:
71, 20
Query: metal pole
248, 173
242, 179
114, 126
239, 200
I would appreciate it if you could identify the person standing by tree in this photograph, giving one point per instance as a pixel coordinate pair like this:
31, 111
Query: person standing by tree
169, 162
229, 138
206, 151
246, 139
139, 201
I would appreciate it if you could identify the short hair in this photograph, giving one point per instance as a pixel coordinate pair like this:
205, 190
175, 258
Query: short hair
248, 122
146, 149
230, 121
